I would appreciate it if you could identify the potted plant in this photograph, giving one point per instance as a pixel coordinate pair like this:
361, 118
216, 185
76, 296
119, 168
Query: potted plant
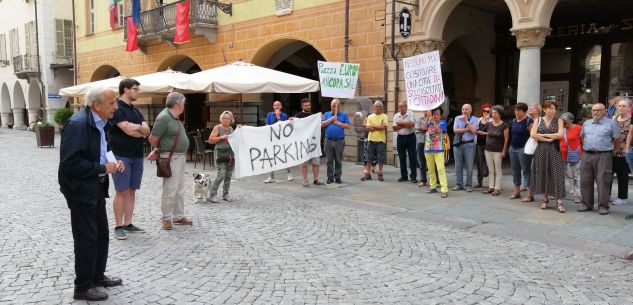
44, 134
62, 115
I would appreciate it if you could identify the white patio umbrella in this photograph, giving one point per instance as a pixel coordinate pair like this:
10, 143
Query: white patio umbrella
83, 89
241, 77
154, 83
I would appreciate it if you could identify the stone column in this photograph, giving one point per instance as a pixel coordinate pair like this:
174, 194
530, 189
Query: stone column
18, 119
33, 114
6, 119
530, 42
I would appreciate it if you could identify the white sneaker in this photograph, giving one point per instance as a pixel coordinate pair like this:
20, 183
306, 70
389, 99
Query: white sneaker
215, 199
227, 198
290, 177
269, 180
619, 201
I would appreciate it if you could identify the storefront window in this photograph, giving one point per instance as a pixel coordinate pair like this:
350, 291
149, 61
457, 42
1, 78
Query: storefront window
621, 72
589, 80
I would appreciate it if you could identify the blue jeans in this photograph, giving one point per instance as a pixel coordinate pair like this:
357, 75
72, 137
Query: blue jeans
464, 155
521, 163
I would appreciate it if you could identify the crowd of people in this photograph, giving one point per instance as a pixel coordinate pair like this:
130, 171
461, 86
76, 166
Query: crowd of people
544, 149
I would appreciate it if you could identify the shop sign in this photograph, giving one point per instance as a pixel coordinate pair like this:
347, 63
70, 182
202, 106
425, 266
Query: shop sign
405, 23
592, 28
423, 81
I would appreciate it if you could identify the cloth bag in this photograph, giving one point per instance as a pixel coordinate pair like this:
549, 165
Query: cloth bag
531, 144
573, 155
163, 165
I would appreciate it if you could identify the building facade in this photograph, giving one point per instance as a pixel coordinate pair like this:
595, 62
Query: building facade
36, 60
574, 52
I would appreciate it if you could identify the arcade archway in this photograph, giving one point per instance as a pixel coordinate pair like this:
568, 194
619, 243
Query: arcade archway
20, 116
295, 57
197, 113
104, 72
6, 118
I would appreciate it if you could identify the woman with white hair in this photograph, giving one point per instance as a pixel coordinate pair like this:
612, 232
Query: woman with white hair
620, 166
571, 150
224, 157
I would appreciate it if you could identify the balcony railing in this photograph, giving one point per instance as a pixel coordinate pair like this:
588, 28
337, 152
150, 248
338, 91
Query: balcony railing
160, 23
62, 61
24, 65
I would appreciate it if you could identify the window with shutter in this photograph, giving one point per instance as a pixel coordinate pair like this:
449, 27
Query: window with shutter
3, 51
29, 35
59, 38
121, 12
68, 38
15, 46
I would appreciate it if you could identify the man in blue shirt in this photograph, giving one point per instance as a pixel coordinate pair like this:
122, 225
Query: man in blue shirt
598, 135
335, 123
271, 118
83, 180
464, 128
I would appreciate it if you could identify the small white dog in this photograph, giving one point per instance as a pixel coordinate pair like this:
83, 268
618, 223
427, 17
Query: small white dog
201, 187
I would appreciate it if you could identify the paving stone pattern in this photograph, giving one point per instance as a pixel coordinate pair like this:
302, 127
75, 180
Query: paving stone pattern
267, 248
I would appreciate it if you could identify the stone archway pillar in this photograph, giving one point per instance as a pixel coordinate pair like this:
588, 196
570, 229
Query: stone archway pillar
530, 42
6, 119
33, 114
18, 119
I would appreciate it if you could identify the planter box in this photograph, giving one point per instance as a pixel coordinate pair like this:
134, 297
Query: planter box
45, 136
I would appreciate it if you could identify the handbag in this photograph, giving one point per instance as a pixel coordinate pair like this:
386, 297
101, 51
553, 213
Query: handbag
530, 145
573, 156
163, 165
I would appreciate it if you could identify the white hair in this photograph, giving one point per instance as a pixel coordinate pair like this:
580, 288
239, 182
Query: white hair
378, 103
174, 98
96, 95
229, 113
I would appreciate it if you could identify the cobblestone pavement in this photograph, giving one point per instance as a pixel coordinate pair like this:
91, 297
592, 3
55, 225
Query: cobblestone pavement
271, 248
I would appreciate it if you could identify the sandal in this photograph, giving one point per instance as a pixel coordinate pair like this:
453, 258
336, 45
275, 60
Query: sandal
544, 204
527, 199
366, 177
515, 196
380, 178
559, 206
488, 191
444, 194
495, 193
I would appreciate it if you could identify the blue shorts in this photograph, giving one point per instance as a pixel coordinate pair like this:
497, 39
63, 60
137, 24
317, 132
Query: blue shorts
130, 178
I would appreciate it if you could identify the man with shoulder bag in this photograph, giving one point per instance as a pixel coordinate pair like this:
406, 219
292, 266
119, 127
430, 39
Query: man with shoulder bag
170, 141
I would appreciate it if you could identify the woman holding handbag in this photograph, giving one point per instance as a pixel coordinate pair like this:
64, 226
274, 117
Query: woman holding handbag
223, 156
571, 150
548, 168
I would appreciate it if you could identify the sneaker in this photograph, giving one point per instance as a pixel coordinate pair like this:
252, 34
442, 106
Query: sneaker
133, 229
584, 208
457, 188
119, 233
167, 224
603, 211
431, 191
366, 177
329, 181
577, 199
402, 179
414, 181
469, 189
183, 221
269, 180
338, 181
619, 201
227, 198
290, 177
317, 183
444, 195
215, 199
422, 184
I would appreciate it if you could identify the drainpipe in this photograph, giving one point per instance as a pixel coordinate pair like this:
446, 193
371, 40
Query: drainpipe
346, 38
37, 50
393, 50
74, 48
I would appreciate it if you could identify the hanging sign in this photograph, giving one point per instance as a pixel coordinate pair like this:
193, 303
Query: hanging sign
405, 23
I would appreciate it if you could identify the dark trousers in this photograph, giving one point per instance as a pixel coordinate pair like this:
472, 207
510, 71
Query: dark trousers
334, 158
621, 170
480, 162
599, 168
406, 146
91, 237
421, 161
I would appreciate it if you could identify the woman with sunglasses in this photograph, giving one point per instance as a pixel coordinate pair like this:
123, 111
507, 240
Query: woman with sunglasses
480, 158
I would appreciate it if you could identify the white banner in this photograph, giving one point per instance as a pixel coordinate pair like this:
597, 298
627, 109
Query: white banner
260, 150
423, 81
338, 79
